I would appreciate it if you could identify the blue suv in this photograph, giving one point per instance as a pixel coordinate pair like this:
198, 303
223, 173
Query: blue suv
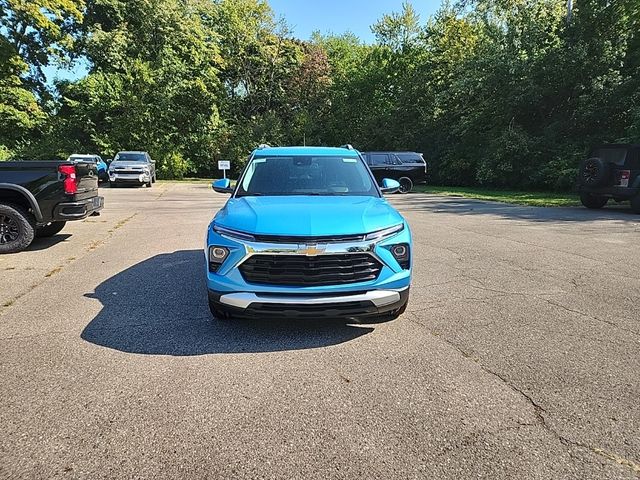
307, 233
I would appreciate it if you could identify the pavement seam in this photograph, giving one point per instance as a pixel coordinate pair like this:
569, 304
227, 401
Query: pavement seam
89, 248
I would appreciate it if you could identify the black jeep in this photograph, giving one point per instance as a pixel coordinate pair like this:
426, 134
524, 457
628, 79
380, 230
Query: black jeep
611, 171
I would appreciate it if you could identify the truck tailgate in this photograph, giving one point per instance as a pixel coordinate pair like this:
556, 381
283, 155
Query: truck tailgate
87, 179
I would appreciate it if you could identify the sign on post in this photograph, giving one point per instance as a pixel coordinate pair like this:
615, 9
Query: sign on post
224, 165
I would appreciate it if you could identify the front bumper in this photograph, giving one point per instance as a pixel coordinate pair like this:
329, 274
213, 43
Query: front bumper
129, 177
360, 306
78, 210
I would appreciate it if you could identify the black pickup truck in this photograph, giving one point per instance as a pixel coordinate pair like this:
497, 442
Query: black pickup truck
38, 198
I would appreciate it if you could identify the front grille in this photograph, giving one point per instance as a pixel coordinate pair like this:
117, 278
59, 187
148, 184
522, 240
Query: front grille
308, 271
128, 171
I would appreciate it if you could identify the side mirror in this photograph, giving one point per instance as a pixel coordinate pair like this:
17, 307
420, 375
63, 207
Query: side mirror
389, 186
224, 186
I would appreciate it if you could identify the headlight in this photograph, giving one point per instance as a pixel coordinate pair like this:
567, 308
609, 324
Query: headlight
386, 232
235, 234
146, 170
217, 256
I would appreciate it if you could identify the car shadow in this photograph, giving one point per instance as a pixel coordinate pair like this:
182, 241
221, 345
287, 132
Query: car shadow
620, 213
48, 242
159, 306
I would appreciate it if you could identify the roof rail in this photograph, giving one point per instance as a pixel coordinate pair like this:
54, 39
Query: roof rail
262, 146
348, 146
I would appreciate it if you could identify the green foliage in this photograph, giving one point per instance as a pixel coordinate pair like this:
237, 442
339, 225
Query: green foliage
498, 93
38, 32
5, 153
173, 165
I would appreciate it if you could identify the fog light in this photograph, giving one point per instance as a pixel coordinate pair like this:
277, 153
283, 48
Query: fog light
401, 253
217, 255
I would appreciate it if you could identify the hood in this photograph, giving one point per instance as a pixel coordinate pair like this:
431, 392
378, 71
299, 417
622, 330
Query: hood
307, 215
125, 164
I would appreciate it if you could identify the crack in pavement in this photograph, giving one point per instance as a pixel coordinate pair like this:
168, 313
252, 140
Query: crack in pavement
540, 296
538, 409
592, 317
542, 247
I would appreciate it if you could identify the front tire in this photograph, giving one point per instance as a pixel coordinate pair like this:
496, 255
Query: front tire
406, 185
593, 202
17, 228
49, 230
635, 204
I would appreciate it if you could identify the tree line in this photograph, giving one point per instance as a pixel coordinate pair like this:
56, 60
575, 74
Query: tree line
503, 93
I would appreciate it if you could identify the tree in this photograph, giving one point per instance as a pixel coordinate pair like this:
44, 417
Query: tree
152, 84
33, 33
39, 31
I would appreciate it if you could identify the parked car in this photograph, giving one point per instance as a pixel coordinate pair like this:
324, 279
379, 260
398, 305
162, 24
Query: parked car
38, 198
611, 171
408, 168
132, 168
307, 233
102, 166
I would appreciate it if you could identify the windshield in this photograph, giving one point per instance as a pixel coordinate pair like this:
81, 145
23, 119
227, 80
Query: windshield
307, 175
130, 157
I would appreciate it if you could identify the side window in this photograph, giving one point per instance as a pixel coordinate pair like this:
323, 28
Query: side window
377, 159
394, 160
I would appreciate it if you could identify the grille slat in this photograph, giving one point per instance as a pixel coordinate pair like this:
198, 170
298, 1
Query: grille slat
301, 270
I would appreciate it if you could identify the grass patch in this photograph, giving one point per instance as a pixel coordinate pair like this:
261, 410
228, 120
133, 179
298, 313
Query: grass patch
535, 199
188, 180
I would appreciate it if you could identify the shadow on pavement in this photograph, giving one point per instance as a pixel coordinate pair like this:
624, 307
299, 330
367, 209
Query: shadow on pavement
159, 306
44, 243
467, 206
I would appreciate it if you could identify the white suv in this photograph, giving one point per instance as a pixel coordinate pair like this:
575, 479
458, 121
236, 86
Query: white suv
132, 167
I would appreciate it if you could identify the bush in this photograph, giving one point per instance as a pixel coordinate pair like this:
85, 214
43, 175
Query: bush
5, 154
173, 166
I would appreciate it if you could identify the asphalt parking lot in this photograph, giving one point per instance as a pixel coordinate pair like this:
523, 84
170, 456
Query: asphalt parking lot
519, 355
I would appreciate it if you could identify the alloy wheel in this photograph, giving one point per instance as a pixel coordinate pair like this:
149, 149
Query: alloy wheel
9, 229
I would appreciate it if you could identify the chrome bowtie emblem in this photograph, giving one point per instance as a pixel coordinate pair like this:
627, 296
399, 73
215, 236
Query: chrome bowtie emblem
312, 249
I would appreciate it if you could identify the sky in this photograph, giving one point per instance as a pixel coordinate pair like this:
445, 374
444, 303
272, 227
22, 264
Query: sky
305, 16
339, 16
